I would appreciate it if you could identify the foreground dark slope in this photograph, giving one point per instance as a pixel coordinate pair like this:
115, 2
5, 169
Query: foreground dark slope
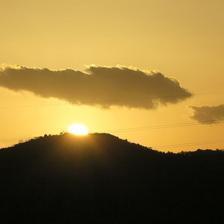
103, 179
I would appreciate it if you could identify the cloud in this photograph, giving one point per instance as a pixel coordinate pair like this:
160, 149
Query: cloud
209, 114
104, 86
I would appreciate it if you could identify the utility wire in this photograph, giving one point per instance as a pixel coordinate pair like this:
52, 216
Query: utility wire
161, 126
189, 144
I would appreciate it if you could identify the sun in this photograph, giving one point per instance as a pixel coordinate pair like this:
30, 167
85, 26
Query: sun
78, 129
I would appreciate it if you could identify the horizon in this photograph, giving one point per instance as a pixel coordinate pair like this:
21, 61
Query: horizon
91, 134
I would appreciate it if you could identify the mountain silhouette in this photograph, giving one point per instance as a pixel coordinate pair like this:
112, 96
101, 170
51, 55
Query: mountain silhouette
101, 178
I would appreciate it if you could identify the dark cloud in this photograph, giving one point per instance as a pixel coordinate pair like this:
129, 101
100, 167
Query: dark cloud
209, 114
104, 86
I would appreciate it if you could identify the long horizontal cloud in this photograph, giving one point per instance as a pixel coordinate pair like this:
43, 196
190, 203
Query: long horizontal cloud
209, 114
105, 86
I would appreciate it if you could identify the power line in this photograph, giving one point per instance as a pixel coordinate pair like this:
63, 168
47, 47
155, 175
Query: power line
189, 144
161, 126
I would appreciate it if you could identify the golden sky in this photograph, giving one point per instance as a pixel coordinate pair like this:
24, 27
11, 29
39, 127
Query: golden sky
182, 39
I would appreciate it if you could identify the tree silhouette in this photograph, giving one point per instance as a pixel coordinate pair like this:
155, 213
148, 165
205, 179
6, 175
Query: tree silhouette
103, 179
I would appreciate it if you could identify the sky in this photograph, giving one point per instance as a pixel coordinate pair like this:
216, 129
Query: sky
141, 46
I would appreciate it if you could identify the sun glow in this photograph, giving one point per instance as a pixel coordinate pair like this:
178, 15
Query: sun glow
78, 129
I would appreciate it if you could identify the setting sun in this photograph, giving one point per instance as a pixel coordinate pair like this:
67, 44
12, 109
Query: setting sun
78, 129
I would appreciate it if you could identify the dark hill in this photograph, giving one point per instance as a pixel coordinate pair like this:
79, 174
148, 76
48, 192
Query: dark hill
103, 179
